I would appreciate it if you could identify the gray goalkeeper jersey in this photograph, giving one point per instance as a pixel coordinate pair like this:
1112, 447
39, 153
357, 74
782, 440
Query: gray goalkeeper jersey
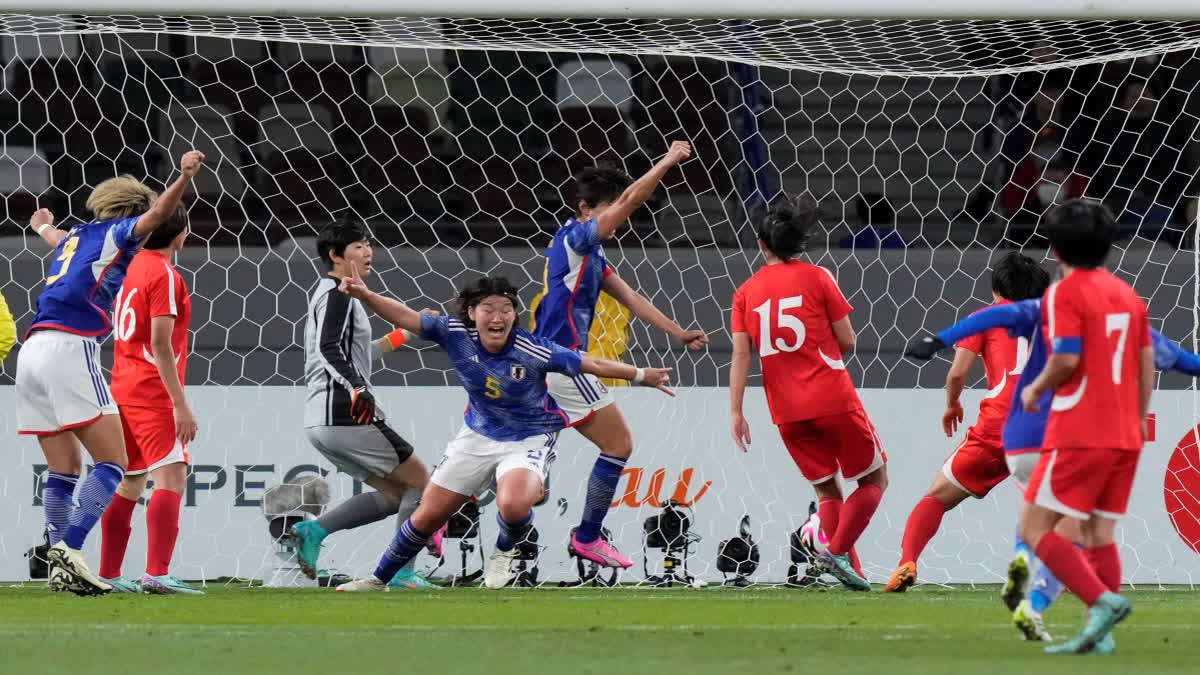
338, 351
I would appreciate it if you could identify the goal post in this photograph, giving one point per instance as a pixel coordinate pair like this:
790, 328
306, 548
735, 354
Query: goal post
932, 143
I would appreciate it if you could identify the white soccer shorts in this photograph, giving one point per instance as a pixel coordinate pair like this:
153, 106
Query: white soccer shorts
578, 396
472, 461
59, 384
1021, 466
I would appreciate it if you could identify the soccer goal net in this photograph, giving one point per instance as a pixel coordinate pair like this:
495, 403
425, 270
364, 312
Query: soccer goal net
932, 147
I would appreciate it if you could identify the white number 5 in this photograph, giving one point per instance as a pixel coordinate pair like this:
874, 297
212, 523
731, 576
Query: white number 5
768, 346
1120, 323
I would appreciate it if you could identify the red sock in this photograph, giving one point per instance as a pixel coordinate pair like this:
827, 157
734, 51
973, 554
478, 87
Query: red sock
923, 523
1071, 567
828, 510
1106, 561
114, 535
854, 518
162, 528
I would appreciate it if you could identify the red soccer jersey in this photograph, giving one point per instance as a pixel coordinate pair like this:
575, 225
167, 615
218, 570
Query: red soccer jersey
1096, 315
788, 310
1004, 358
152, 288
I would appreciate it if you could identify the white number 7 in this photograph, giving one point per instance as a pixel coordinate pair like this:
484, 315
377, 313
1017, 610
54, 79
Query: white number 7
1119, 323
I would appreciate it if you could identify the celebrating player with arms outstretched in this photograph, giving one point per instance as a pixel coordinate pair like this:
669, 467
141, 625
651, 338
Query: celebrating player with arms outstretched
59, 385
1100, 374
150, 322
575, 273
341, 419
512, 423
795, 315
977, 465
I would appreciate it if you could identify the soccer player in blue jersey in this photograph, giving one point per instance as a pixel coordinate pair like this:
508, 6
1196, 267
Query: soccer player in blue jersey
59, 385
575, 273
1023, 434
512, 422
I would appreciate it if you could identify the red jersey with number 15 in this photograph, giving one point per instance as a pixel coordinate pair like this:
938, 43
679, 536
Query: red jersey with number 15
152, 288
1004, 358
1096, 315
788, 309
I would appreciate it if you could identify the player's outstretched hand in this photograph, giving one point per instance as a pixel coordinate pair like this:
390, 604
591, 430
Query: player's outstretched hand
354, 286
923, 348
679, 151
658, 378
693, 339
185, 424
190, 163
362, 405
740, 429
951, 418
40, 218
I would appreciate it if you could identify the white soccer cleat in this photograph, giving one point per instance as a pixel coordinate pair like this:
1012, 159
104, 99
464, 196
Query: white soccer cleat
499, 569
368, 584
1029, 622
73, 572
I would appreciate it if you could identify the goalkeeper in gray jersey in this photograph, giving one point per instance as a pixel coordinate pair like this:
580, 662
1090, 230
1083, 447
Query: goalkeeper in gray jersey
340, 416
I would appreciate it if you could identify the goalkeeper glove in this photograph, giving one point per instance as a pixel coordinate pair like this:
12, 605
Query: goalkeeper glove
924, 348
362, 405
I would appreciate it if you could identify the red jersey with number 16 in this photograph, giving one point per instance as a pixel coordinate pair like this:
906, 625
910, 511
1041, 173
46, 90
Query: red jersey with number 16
152, 288
1099, 317
788, 309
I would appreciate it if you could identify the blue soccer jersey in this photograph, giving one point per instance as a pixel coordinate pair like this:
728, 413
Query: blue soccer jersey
1025, 430
506, 391
575, 270
87, 270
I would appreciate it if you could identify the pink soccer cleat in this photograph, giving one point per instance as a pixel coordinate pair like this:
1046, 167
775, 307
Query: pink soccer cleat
600, 551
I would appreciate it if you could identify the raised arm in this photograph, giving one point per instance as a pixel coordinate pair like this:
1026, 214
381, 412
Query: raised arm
162, 207
394, 312
658, 378
637, 193
1016, 316
42, 223
642, 308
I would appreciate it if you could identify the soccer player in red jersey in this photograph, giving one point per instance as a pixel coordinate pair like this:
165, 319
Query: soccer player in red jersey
1100, 374
978, 463
793, 313
150, 320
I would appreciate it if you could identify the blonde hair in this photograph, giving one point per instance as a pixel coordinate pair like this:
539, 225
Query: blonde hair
120, 197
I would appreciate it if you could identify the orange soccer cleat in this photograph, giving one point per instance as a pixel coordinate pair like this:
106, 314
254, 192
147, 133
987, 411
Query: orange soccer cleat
904, 576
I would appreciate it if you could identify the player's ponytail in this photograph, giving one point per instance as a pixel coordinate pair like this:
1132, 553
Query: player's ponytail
477, 291
1018, 277
120, 197
786, 229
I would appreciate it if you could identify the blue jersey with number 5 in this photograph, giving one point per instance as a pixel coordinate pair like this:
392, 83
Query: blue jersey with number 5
507, 393
85, 274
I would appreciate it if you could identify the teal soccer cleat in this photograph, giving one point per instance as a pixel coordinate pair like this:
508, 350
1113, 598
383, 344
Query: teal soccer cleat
408, 578
1109, 610
167, 585
307, 536
840, 567
123, 585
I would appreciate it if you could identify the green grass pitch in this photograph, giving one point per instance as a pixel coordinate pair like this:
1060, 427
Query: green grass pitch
678, 631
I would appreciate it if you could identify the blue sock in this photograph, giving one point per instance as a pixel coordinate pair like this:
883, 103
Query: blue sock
1022, 546
57, 498
1043, 589
94, 497
405, 546
512, 534
602, 485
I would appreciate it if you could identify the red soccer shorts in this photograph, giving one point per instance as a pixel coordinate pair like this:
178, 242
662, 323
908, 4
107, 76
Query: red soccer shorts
823, 446
1079, 482
977, 465
150, 440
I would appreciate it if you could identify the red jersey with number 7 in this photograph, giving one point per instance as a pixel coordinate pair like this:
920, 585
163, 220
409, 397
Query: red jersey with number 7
788, 310
1099, 317
152, 288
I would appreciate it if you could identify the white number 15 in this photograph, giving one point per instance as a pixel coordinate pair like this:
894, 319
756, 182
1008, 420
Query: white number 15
768, 346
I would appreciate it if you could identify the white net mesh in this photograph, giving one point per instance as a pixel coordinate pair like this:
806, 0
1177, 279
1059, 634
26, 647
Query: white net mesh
930, 145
